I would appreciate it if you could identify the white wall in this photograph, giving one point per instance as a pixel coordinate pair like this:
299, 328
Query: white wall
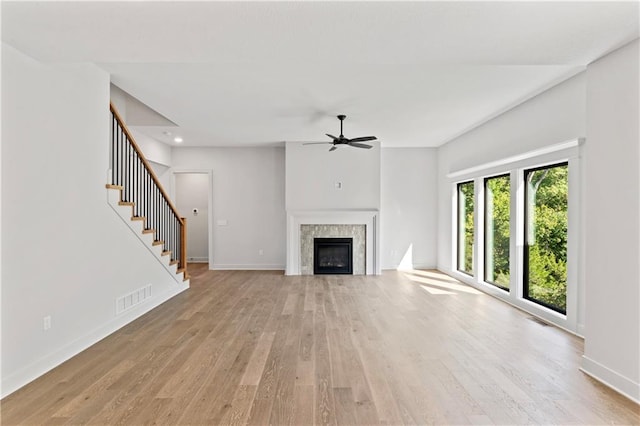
192, 192
157, 153
313, 171
118, 98
612, 345
409, 207
554, 116
65, 252
152, 149
602, 104
248, 193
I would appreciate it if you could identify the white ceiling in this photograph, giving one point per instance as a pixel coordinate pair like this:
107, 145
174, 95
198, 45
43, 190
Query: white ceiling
260, 73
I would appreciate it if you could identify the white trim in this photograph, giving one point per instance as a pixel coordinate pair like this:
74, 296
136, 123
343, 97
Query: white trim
548, 315
427, 266
209, 202
505, 162
247, 267
570, 152
612, 379
197, 260
369, 218
36, 369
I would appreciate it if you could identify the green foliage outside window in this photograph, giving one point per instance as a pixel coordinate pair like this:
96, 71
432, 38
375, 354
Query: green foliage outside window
465, 227
547, 207
546, 233
497, 232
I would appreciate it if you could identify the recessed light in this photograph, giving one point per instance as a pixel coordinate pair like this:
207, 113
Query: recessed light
177, 139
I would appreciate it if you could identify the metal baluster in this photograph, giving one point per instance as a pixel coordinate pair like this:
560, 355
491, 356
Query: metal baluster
126, 169
117, 157
139, 186
135, 181
157, 212
112, 149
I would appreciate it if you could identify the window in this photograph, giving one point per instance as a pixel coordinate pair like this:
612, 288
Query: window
497, 200
465, 227
545, 248
515, 230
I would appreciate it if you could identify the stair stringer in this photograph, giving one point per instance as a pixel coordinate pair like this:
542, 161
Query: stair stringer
137, 226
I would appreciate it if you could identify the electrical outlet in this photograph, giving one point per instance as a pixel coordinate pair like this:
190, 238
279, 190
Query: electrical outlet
260, 252
46, 322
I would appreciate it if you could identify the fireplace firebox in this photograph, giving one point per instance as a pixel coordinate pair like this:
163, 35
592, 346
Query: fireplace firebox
333, 256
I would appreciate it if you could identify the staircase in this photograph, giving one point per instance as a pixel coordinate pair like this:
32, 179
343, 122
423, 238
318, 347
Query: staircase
135, 193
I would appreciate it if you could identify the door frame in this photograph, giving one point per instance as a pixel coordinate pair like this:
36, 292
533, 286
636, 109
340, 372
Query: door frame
209, 174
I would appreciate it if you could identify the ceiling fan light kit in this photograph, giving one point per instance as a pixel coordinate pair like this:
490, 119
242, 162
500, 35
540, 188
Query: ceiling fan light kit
342, 140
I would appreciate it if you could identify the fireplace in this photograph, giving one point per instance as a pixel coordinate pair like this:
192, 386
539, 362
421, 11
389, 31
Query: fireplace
333, 256
361, 225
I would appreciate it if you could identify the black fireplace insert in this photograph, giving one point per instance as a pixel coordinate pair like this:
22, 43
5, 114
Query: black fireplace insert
333, 256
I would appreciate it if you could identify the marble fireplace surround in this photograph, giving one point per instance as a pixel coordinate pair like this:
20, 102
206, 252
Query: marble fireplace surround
368, 218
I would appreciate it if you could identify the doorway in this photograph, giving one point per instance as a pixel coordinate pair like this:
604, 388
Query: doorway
193, 197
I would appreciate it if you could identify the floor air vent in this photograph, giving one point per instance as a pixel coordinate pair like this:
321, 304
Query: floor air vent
539, 321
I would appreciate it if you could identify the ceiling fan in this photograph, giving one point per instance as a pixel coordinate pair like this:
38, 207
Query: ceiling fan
341, 140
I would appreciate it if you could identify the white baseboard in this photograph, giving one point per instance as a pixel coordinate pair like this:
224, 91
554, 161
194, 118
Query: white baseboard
197, 260
612, 379
388, 267
20, 378
424, 266
246, 267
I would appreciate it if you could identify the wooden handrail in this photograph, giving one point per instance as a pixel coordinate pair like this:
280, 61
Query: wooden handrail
146, 164
177, 245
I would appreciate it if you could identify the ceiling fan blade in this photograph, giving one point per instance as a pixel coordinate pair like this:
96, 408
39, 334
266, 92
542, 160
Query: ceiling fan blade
363, 139
360, 145
316, 143
331, 136
333, 148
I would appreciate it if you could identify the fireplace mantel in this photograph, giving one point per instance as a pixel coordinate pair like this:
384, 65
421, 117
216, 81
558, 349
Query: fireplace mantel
369, 218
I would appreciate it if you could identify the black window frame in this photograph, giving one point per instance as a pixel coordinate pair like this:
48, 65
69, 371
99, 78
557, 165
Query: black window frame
484, 237
525, 257
458, 192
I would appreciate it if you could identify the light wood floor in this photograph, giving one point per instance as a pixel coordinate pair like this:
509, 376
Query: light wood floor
261, 348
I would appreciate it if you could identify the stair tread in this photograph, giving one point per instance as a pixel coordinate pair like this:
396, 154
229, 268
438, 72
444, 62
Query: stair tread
185, 275
183, 271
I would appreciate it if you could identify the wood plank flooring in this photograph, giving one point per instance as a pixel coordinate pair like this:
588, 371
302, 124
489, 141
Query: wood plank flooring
258, 348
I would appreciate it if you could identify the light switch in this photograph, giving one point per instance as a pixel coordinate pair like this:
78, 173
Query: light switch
222, 222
